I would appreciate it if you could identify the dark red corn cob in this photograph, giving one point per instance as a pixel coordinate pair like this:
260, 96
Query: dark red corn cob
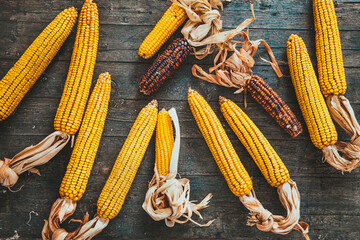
274, 105
164, 66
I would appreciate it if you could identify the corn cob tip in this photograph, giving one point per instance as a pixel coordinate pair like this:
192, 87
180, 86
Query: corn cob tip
293, 37
222, 99
144, 56
105, 74
153, 103
191, 90
257, 77
72, 9
104, 77
163, 110
144, 91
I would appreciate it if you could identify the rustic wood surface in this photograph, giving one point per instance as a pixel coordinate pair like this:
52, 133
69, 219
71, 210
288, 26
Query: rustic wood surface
330, 200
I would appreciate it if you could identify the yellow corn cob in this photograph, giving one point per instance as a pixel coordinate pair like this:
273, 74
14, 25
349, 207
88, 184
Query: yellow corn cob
220, 146
78, 170
316, 114
328, 49
265, 157
123, 173
273, 170
23, 75
164, 142
167, 25
76, 91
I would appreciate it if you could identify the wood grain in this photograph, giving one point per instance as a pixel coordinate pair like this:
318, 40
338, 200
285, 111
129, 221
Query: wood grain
330, 200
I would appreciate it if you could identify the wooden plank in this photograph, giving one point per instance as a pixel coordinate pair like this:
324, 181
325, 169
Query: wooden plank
123, 52
126, 77
307, 163
122, 113
224, 205
17, 37
270, 14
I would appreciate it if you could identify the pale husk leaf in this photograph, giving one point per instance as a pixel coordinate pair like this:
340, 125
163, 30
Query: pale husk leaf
266, 221
60, 211
32, 156
168, 198
350, 158
203, 21
232, 66
342, 112
91, 228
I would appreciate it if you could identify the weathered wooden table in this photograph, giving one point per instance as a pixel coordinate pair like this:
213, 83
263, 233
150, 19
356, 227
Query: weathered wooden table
330, 200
